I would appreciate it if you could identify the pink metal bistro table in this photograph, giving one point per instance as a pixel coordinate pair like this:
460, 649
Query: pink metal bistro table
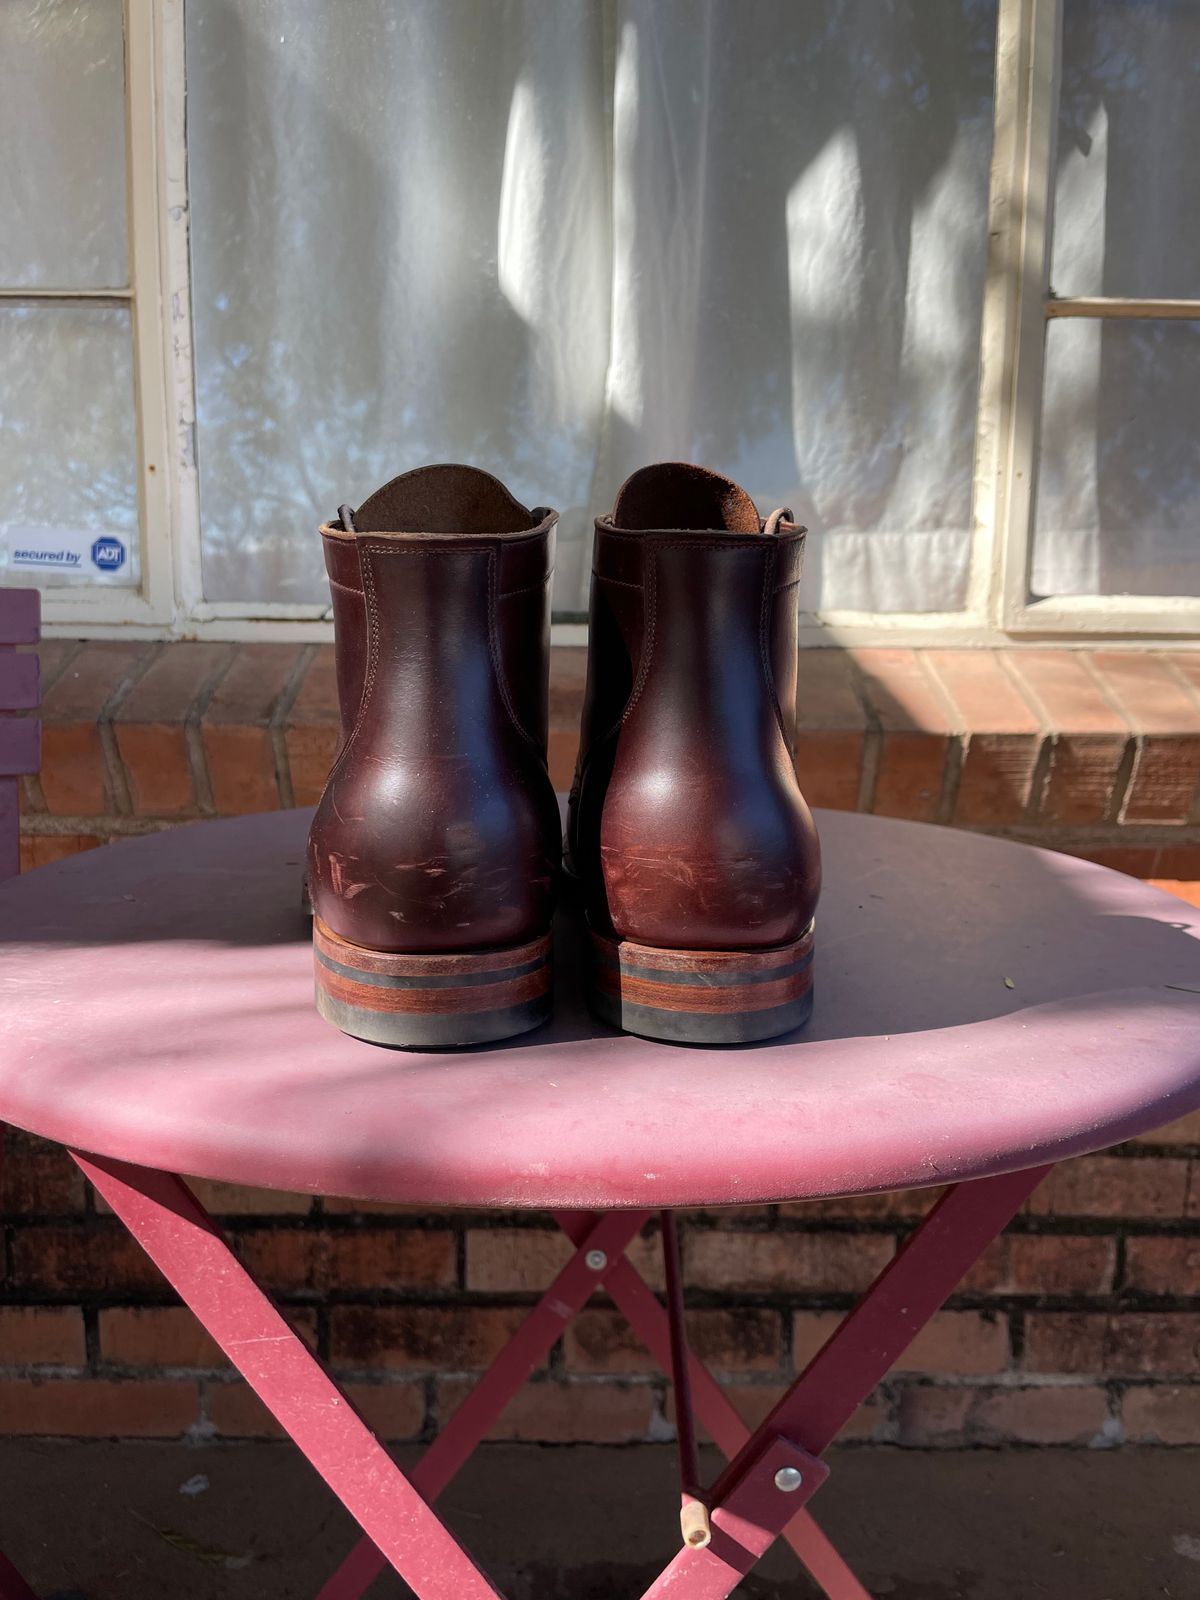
983, 1009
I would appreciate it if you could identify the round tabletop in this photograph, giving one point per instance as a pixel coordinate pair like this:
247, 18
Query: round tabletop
981, 1007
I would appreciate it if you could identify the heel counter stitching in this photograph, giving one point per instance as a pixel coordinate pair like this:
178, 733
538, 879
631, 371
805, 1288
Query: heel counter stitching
370, 596
530, 588
621, 583
650, 590
768, 593
371, 603
497, 662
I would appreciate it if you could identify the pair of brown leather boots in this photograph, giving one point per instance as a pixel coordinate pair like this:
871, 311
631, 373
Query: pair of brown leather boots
434, 858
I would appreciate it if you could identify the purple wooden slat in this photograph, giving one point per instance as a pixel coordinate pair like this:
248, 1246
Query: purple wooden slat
20, 746
20, 616
20, 679
10, 852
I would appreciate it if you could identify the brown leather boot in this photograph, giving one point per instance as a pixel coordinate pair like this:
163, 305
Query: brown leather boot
433, 855
695, 853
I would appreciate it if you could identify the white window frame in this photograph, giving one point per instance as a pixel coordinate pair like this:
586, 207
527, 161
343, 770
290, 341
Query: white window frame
152, 605
1026, 128
1016, 306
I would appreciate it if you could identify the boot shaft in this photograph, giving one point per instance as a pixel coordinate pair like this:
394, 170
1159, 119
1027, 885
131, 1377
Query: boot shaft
438, 828
687, 824
458, 634
457, 500
702, 613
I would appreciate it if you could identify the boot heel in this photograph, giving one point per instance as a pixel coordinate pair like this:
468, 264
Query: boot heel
702, 996
431, 1002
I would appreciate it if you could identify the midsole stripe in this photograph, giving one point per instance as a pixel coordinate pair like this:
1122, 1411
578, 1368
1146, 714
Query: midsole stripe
705, 980
440, 980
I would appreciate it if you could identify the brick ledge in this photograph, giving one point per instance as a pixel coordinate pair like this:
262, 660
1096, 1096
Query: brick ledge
1095, 752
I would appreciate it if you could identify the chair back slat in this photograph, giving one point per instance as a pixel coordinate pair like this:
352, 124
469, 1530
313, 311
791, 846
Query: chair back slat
20, 616
20, 737
20, 746
10, 830
20, 681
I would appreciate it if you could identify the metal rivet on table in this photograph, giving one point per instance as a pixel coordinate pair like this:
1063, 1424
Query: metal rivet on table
789, 1479
596, 1260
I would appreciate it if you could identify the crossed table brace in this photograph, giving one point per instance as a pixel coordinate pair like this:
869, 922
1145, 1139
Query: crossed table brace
156, 1018
754, 1500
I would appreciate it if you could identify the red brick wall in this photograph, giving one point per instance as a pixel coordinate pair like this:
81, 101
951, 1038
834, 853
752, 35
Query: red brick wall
1082, 1325
1095, 752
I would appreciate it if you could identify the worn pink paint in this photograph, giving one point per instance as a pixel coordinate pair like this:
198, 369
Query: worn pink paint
156, 1005
155, 1010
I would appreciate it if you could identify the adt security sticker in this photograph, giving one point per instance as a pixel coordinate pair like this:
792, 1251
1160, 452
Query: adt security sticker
108, 555
59, 556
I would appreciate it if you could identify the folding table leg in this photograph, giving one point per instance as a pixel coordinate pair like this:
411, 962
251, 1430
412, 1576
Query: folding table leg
602, 1240
174, 1230
757, 1497
642, 1309
840, 1376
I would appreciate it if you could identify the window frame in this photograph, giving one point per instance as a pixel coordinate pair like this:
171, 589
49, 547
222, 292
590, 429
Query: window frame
1030, 156
152, 604
1017, 305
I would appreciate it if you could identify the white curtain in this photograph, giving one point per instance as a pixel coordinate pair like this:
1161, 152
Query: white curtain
563, 239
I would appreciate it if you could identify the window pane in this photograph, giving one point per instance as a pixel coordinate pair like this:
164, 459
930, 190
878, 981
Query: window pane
67, 448
1127, 206
563, 240
1118, 505
62, 130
